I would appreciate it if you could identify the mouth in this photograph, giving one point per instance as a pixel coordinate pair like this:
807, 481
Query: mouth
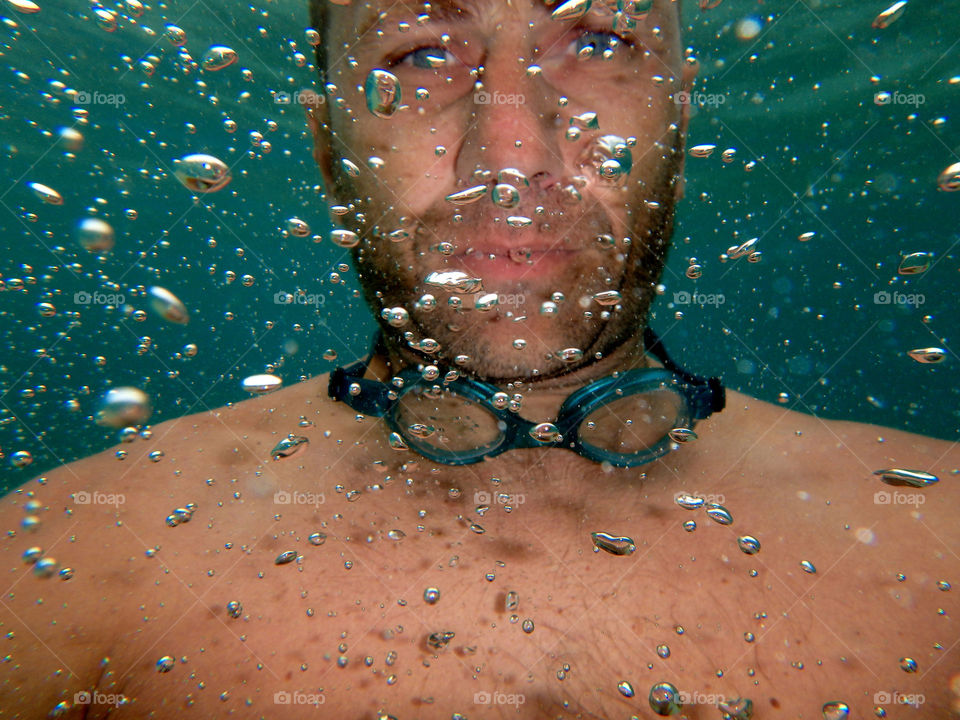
495, 263
522, 255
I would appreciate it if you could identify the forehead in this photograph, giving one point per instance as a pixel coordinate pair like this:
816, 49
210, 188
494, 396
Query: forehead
373, 13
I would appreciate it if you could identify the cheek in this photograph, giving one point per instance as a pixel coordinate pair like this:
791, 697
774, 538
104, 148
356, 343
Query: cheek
418, 165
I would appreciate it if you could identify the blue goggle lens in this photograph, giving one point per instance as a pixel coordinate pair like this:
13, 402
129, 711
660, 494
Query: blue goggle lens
452, 424
634, 423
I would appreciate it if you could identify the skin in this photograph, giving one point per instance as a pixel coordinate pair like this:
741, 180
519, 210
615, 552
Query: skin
801, 485
528, 136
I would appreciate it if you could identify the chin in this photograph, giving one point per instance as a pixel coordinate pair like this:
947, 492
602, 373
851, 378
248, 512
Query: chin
490, 340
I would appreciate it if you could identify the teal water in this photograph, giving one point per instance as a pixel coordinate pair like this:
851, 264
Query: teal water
798, 101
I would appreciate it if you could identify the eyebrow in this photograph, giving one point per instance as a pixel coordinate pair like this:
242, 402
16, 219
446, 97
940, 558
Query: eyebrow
459, 10
452, 10
443, 10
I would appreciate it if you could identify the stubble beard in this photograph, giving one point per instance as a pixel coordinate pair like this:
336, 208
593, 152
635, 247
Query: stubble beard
392, 276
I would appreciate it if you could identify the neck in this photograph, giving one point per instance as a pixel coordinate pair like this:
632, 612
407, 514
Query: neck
542, 397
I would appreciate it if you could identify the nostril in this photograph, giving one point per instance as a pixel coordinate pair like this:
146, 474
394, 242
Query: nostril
543, 181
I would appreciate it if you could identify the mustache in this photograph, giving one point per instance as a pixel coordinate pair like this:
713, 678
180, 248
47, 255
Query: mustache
556, 211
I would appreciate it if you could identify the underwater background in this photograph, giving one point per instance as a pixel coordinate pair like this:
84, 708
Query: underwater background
839, 129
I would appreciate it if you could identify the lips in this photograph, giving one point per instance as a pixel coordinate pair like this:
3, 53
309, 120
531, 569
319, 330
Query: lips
515, 263
518, 246
520, 255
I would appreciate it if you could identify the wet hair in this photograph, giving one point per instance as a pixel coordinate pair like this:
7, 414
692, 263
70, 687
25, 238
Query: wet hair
318, 21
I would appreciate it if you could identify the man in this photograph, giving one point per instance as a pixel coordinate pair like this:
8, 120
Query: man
506, 568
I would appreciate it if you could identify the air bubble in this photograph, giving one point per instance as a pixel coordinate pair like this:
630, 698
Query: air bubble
218, 57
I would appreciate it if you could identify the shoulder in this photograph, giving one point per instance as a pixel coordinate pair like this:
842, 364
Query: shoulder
174, 456
774, 449
100, 524
880, 555
772, 431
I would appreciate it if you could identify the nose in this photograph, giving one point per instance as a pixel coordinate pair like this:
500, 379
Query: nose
513, 124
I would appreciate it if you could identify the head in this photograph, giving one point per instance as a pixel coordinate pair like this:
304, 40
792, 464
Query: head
568, 127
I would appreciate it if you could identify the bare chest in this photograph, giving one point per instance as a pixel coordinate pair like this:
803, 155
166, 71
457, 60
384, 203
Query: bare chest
445, 619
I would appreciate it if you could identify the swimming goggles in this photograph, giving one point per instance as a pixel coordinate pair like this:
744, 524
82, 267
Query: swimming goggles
626, 419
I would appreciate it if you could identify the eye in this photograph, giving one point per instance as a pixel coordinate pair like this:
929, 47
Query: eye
427, 57
598, 43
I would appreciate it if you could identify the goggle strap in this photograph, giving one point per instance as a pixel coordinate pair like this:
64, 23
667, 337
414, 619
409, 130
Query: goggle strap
709, 393
373, 398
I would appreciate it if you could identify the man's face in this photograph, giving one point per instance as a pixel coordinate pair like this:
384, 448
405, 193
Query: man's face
574, 136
